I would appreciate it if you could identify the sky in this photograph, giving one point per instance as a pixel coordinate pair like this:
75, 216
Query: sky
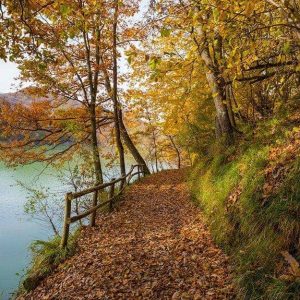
8, 74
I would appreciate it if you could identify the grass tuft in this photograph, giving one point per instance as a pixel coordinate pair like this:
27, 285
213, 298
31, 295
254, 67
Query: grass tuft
46, 256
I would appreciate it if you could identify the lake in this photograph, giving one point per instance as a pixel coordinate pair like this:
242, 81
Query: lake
18, 230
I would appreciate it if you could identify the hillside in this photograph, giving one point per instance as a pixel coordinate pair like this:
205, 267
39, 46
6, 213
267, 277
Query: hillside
18, 97
250, 197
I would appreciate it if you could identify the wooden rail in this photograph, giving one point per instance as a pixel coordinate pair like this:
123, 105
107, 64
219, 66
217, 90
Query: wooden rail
124, 181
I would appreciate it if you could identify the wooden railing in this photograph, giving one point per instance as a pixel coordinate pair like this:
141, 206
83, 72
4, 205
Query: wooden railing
136, 170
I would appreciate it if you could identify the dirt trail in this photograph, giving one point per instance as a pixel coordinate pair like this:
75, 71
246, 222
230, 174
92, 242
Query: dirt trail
153, 246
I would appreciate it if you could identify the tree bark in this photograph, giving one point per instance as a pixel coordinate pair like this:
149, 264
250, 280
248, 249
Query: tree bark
133, 150
217, 89
155, 150
96, 160
93, 87
115, 94
230, 109
177, 151
121, 130
217, 86
95, 147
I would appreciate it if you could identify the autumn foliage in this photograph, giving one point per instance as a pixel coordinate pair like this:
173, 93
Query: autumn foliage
212, 84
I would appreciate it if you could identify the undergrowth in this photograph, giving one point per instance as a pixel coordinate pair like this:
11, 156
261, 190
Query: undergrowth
46, 256
253, 228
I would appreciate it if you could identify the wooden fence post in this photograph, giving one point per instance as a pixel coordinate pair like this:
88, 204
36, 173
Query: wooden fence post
93, 215
97, 192
66, 227
111, 194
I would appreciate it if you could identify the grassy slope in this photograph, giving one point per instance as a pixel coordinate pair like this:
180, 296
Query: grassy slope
251, 198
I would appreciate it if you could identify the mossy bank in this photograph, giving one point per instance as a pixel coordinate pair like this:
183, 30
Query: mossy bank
250, 195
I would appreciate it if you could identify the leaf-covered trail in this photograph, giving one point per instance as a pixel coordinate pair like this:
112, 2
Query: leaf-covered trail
153, 246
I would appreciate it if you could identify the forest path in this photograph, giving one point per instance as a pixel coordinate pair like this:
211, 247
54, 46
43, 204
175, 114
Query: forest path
153, 246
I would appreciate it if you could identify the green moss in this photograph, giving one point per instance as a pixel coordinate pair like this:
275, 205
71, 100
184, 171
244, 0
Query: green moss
253, 234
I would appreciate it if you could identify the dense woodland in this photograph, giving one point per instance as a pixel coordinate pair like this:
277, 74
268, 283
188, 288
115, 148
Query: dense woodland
211, 84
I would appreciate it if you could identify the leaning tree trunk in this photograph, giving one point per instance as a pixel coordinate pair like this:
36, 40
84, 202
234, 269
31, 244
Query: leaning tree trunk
123, 131
176, 150
131, 147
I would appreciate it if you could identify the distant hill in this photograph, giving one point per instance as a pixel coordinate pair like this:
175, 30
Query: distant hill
26, 98
18, 97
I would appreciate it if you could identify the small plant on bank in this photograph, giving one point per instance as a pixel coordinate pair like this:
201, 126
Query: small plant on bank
46, 256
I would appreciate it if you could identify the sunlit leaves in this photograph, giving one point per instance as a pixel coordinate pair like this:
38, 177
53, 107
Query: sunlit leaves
64, 9
154, 62
165, 32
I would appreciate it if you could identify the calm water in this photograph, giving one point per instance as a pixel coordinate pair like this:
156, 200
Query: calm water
17, 230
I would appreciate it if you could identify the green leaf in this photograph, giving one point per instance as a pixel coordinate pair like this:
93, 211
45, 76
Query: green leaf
42, 66
154, 62
64, 9
216, 14
165, 32
286, 47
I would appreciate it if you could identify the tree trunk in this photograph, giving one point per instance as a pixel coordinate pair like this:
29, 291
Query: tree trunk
133, 150
217, 86
93, 87
155, 149
115, 95
177, 152
218, 130
217, 89
123, 131
96, 160
96, 156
